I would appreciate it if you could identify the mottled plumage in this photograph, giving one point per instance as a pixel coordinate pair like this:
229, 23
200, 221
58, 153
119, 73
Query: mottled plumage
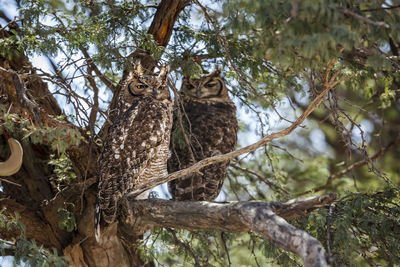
136, 148
209, 120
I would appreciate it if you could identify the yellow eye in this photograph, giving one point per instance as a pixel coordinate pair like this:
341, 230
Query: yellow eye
190, 86
141, 86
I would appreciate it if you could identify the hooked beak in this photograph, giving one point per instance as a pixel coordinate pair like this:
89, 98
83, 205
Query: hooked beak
198, 92
155, 92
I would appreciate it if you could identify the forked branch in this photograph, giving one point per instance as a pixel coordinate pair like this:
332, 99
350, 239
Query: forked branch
260, 217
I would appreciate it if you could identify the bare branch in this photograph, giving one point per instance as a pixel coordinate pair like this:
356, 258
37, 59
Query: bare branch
367, 20
260, 217
22, 96
95, 107
381, 8
10, 182
351, 168
93, 66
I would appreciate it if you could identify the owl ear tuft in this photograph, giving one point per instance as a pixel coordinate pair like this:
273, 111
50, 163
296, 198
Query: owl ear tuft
163, 72
216, 72
138, 69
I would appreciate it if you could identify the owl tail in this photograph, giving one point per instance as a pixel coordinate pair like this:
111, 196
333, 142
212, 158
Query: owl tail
97, 218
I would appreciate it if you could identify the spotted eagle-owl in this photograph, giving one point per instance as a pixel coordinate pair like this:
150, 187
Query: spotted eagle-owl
210, 124
136, 149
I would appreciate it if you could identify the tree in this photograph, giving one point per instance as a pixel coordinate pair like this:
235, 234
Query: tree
327, 71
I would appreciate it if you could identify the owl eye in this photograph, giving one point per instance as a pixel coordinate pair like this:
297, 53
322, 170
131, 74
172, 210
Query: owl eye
210, 84
141, 86
190, 86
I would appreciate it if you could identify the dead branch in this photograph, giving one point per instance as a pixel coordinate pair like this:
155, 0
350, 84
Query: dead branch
260, 217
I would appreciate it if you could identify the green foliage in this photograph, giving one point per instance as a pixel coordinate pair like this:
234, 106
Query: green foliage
178, 135
84, 25
62, 168
212, 248
311, 30
26, 250
183, 248
66, 219
364, 228
59, 139
10, 47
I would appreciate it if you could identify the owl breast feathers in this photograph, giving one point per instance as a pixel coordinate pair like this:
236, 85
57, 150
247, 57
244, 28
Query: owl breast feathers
209, 121
136, 148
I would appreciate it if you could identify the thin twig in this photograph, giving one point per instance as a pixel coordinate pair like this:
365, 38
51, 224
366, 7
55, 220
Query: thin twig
10, 182
367, 20
380, 8
265, 180
101, 76
351, 168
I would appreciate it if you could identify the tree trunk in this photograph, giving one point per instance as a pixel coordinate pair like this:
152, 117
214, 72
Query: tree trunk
34, 199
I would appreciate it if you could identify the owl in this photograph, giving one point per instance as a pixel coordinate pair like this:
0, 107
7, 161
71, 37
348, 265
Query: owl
137, 146
210, 124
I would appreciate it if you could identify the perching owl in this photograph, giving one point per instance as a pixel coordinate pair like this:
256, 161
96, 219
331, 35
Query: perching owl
137, 146
209, 122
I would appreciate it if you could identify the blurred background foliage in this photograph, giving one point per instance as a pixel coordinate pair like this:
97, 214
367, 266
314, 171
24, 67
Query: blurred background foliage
274, 55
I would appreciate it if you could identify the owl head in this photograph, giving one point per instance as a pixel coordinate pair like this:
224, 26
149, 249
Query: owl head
208, 87
154, 86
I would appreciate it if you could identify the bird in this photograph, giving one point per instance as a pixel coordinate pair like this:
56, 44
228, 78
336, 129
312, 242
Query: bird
136, 148
208, 120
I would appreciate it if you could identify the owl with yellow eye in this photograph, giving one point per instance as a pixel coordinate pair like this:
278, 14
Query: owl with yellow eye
136, 149
209, 120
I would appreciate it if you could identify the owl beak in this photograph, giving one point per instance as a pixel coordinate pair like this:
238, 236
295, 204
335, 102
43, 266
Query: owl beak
155, 92
198, 92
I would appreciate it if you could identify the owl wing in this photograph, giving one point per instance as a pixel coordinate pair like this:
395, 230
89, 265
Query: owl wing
214, 131
133, 140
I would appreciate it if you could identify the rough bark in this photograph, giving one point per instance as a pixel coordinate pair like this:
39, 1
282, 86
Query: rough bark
265, 218
21, 91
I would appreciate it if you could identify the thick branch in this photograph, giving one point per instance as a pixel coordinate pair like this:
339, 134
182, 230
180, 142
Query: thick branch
164, 20
260, 217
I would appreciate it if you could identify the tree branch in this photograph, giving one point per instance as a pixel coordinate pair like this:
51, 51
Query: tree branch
351, 168
228, 156
96, 70
367, 20
260, 217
